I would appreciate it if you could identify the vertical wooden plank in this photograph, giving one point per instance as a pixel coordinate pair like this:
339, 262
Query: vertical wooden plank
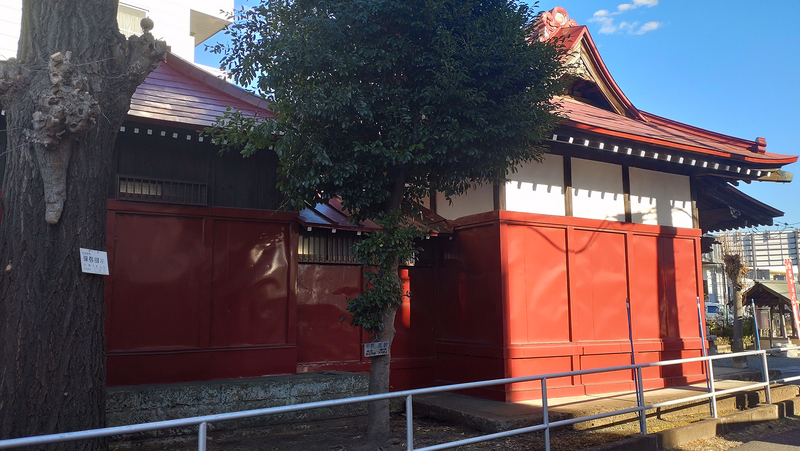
207, 271
626, 192
567, 186
695, 212
293, 231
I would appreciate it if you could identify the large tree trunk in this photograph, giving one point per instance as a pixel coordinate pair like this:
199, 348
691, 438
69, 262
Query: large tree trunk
65, 99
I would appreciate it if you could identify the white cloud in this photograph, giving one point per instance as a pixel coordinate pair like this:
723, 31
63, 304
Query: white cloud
649, 26
636, 4
607, 25
625, 26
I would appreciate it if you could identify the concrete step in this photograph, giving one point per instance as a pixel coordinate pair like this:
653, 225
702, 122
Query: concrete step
492, 416
675, 438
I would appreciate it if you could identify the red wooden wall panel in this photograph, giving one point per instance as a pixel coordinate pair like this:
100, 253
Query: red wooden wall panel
249, 296
537, 297
685, 287
198, 293
322, 293
647, 315
470, 306
326, 343
156, 299
416, 316
565, 284
512, 294
599, 285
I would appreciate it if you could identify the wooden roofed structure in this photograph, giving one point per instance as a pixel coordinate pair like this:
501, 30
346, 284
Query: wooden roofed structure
773, 295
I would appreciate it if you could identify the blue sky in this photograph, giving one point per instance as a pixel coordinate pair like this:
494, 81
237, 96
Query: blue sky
724, 65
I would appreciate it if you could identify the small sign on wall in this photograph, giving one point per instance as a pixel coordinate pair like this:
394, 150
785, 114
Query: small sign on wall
94, 262
376, 348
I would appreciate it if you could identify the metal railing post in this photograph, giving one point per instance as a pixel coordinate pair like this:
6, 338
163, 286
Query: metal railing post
710, 367
755, 324
409, 424
546, 416
640, 403
201, 436
703, 343
765, 370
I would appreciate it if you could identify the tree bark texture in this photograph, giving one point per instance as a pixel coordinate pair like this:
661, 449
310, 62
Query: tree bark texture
65, 98
378, 428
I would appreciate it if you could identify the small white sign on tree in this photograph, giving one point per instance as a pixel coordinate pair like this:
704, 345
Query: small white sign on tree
94, 262
376, 348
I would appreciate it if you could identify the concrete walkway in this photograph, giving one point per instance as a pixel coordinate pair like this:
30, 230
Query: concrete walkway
787, 441
493, 416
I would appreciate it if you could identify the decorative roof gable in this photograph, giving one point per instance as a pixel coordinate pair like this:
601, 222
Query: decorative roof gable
594, 83
595, 103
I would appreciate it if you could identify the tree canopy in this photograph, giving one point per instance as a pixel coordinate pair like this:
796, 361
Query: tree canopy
380, 99
380, 102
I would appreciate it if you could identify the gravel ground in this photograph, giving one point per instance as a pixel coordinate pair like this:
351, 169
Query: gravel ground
347, 435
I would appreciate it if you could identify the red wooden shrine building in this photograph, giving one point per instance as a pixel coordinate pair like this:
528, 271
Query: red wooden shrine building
208, 281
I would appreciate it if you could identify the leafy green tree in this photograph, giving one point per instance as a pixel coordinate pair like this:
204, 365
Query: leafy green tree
381, 101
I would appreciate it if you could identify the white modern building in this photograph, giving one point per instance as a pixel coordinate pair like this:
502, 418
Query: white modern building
183, 24
764, 254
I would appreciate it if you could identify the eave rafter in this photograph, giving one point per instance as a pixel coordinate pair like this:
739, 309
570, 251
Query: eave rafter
683, 161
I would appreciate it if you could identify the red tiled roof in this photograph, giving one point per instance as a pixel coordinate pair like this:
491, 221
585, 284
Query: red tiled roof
182, 93
645, 127
667, 133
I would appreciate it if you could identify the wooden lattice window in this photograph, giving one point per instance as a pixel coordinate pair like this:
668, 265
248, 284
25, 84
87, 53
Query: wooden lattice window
323, 246
161, 190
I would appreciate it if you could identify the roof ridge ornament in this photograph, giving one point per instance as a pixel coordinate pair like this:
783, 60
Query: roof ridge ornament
548, 22
760, 145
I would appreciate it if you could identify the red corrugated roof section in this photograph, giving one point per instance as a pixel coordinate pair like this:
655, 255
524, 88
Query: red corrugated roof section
333, 215
183, 94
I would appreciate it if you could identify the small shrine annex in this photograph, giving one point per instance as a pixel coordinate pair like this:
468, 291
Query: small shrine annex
208, 281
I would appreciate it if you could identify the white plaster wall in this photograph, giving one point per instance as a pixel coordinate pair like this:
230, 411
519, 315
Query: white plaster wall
426, 202
538, 187
171, 18
597, 190
479, 200
10, 19
660, 198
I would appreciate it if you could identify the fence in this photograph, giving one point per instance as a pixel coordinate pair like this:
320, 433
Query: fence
203, 421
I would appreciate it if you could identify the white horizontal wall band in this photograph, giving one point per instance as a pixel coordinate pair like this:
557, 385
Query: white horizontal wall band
564, 139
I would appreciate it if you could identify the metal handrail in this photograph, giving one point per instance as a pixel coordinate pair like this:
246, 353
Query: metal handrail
202, 421
786, 379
